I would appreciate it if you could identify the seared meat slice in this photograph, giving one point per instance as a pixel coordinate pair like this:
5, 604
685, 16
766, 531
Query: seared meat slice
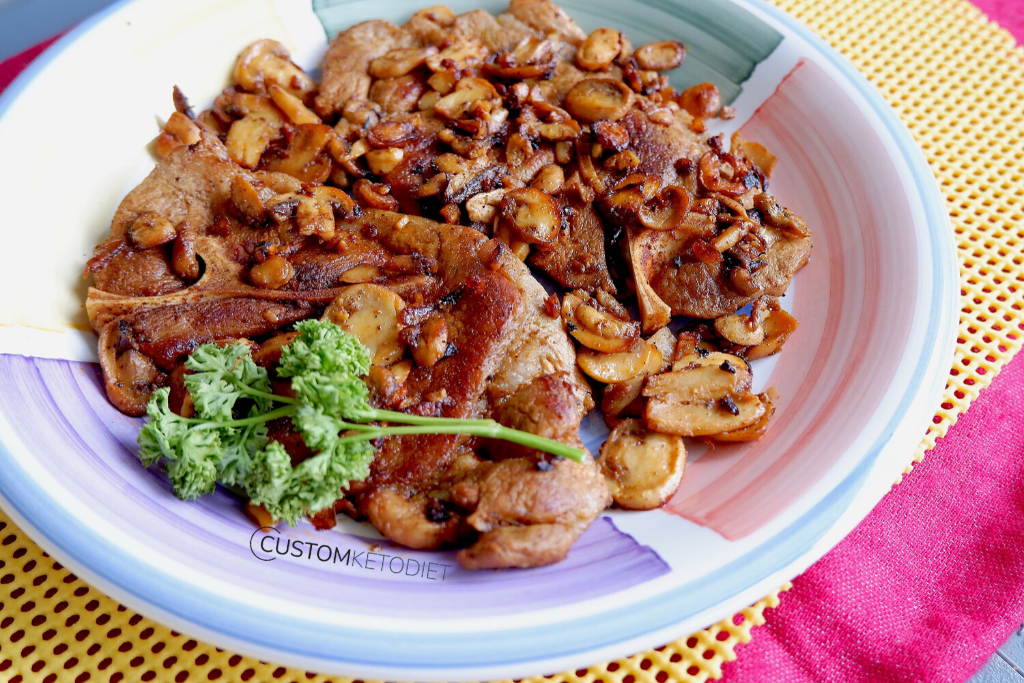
509, 356
348, 57
516, 493
190, 185
169, 333
500, 336
529, 510
139, 273
576, 259
547, 407
547, 17
520, 546
700, 290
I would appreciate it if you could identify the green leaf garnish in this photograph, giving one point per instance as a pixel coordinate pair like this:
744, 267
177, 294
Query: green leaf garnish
330, 411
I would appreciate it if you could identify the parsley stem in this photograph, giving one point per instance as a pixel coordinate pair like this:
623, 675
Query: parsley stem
256, 393
285, 411
486, 428
405, 418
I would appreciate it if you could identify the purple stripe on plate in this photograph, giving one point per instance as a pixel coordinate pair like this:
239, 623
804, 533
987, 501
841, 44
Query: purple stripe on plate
61, 414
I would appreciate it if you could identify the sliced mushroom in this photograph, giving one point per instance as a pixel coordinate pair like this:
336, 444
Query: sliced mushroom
179, 130
462, 54
612, 368
666, 211
483, 207
755, 152
623, 399
248, 138
599, 99
641, 468
594, 328
370, 313
431, 343
611, 135
779, 216
383, 161
710, 177
267, 62
273, 273
532, 58
644, 255
396, 63
301, 160
340, 203
466, 92
706, 418
549, 179
665, 342
150, 229
532, 214
702, 396
740, 329
392, 134
292, 106
247, 200
756, 430
703, 378
777, 327
698, 359
701, 101
598, 51
660, 56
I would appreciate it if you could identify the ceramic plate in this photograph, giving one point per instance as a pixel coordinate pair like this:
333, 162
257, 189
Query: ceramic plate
858, 381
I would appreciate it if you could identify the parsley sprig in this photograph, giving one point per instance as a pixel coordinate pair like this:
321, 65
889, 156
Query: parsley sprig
330, 410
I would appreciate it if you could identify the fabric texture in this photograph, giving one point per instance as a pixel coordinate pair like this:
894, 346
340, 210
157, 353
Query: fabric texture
930, 583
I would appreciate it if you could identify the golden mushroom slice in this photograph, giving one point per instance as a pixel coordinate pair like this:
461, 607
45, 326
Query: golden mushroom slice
711, 359
532, 214
740, 329
370, 313
268, 62
646, 249
703, 397
666, 210
594, 328
248, 138
665, 342
641, 468
756, 430
660, 56
612, 368
598, 51
599, 99
707, 418
623, 399
396, 63
777, 327
150, 229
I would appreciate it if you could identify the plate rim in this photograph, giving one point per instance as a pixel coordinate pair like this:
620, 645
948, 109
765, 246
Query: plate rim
942, 242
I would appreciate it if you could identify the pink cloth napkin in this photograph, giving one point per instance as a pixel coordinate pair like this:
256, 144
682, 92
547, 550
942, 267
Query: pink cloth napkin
931, 583
1007, 13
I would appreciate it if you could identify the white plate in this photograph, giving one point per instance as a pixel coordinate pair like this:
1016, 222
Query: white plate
858, 381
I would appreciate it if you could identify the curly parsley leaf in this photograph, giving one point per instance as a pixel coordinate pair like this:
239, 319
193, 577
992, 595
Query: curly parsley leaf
326, 365
329, 411
289, 492
221, 376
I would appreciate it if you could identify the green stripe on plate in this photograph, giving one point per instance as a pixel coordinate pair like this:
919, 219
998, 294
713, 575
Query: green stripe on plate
724, 42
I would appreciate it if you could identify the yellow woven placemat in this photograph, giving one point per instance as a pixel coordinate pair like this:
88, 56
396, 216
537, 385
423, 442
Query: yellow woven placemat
953, 77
